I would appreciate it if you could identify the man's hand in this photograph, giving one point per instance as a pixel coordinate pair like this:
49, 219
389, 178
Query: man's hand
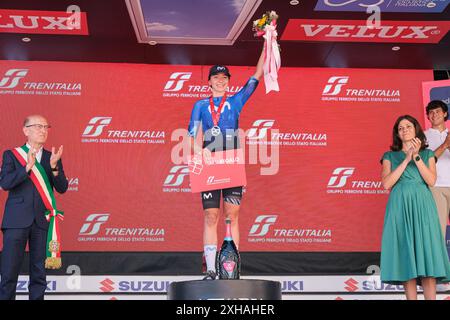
447, 141
54, 158
31, 159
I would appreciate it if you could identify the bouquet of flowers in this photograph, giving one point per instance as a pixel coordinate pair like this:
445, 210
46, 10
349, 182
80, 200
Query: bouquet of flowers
259, 26
267, 28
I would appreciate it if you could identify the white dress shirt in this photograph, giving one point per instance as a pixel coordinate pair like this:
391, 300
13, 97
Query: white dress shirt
38, 154
435, 139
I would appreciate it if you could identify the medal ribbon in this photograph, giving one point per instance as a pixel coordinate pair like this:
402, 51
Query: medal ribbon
216, 114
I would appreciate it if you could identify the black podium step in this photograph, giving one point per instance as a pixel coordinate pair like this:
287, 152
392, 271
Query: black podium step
224, 289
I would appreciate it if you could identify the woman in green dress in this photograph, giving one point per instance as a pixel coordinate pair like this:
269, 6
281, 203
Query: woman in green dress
412, 251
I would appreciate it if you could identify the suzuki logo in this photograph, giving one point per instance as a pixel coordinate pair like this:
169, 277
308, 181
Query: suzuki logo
177, 80
176, 176
107, 285
351, 285
263, 126
93, 223
96, 125
262, 224
12, 77
339, 177
335, 84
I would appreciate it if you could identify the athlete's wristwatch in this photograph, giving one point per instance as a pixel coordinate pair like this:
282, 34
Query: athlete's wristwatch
417, 158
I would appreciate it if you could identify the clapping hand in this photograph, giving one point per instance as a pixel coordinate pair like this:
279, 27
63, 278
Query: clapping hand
414, 148
415, 145
31, 159
54, 158
447, 141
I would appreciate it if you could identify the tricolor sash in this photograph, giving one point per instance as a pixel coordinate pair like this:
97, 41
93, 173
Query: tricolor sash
42, 184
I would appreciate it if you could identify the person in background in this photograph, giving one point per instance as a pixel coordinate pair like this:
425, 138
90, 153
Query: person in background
439, 141
24, 217
412, 250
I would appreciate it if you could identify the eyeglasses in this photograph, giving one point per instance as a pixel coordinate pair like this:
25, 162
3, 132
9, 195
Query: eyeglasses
39, 126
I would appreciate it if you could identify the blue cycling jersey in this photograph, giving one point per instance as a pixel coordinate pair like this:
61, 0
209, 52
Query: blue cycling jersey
229, 116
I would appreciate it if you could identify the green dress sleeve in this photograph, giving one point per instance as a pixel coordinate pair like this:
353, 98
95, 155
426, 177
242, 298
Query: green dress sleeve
427, 155
387, 156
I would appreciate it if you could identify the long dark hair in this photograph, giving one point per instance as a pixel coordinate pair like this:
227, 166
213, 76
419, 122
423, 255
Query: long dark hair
397, 143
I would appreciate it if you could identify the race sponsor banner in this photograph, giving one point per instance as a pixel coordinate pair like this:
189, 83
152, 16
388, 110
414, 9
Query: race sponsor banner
284, 297
111, 284
312, 152
72, 22
422, 6
359, 31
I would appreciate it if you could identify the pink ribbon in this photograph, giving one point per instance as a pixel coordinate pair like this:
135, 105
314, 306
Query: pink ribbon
272, 60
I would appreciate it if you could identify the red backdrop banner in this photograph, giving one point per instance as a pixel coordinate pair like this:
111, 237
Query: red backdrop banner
325, 132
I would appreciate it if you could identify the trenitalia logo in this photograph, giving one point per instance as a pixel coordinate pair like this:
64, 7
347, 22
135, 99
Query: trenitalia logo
358, 31
340, 183
334, 90
260, 128
334, 85
93, 223
14, 83
260, 233
263, 133
96, 125
339, 177
176, 176
43, 22
94, 134
12, 78
262, 224
177, 79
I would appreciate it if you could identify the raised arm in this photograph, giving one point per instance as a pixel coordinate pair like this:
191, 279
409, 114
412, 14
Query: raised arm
259, 66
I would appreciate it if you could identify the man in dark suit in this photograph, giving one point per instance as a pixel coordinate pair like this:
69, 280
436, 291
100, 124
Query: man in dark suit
24, 216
